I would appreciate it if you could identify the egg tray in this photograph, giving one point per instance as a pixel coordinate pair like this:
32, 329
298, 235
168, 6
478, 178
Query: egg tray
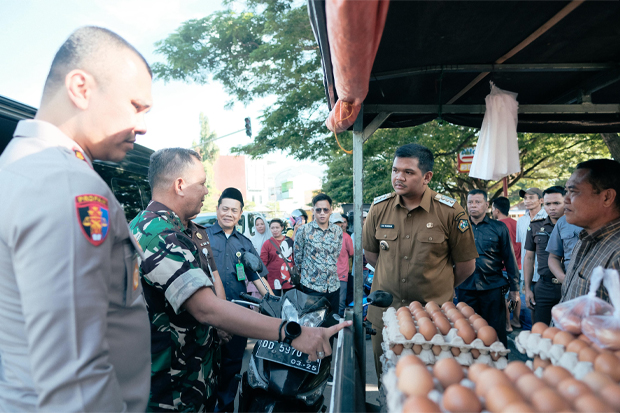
394, 398
392, 336
533, 345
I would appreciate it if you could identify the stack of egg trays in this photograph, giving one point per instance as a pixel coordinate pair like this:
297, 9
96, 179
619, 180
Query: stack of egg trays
534, 345
393, 336
394, 398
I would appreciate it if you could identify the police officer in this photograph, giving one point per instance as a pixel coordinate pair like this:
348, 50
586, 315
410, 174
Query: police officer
548, 290
74, 332
228, 245
420, 242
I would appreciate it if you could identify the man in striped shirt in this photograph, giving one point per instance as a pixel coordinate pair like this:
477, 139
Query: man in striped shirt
592, 202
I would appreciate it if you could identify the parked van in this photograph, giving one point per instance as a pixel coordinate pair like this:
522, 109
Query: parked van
245, 225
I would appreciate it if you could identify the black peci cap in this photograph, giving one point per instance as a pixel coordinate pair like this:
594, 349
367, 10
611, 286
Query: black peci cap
232, 193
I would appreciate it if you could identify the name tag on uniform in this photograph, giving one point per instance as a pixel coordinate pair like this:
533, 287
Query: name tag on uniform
240, 272
387, 226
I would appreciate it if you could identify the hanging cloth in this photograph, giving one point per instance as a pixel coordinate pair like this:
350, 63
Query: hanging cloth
497, 151
354, 29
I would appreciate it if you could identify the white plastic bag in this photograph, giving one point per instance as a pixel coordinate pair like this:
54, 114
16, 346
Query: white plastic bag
497, 151
604, 330
567, 316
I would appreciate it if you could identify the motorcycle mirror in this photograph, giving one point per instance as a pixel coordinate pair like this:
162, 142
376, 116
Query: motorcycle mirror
380, 299
252, 262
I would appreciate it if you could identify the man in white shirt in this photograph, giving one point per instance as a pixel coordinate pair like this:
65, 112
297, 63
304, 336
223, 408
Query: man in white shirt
533, 200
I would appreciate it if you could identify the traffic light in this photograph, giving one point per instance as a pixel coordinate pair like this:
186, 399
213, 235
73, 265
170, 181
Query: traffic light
248, 127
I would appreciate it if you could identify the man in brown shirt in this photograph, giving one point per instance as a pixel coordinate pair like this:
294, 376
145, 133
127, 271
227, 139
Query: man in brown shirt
420, 242
592, 202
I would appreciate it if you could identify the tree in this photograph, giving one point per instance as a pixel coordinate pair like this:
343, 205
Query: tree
209, 152
546, 159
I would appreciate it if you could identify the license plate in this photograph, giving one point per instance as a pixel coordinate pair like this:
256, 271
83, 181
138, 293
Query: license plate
284, 354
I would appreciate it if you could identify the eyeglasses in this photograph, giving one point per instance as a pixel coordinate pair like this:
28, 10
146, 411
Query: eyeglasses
321, 210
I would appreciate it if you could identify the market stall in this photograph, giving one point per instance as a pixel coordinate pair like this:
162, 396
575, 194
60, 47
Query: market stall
435, 60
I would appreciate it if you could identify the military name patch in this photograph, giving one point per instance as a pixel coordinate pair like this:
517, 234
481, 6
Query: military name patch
387, 226
463, 225
93, 217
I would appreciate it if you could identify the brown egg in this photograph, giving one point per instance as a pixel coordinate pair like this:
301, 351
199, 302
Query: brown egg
406, 316
474, 371
588, 354
465, 331
431, 306
403, 310
414, 305
538, 362
572, 388
488, 379
442, 324
420, 404
475, 353
461, 305
415, 381
608, 364
460, 399
408, 360
584, 338
563, 338
596, 381
494, 356
527, 384
473, 318
451, 312
550, 332
448, 371
576, 346
553, 375
518, 408
479, 323
548, 400
501, 396
397, 349
516, 369
455, 351
407, 329
467, 311
420, 314
417, 348
427, 329
611, 395
488, 335
539, 328
436, 350
448, 305
591, 403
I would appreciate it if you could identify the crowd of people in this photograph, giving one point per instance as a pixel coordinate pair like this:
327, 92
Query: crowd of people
77, 320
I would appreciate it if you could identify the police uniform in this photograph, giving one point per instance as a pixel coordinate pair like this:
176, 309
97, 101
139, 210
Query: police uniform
548, 289
74, 331
417, 250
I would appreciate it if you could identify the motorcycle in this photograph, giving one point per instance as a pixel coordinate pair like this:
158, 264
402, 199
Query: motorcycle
280, 378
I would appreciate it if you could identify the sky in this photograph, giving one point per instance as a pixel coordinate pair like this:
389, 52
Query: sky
33, 30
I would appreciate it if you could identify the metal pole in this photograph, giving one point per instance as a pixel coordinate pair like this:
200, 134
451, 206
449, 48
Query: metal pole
358, 320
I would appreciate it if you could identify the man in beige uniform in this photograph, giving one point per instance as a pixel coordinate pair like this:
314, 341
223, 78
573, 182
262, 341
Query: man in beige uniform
74, 331
420, 242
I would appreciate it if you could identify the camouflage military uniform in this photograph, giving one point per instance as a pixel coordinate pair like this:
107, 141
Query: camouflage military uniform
184, 352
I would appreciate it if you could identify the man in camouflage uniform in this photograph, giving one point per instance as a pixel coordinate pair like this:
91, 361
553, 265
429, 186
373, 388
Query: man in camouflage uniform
185, 353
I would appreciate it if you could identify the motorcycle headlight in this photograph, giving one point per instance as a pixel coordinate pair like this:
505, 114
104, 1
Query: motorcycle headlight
289, 312
313, 319
313, 396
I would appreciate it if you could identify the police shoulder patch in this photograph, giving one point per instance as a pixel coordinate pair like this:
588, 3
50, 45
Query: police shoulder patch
446, 200
463, 225
93, 217
383, 198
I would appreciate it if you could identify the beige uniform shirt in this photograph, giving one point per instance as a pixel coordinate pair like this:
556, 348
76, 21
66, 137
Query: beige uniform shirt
74, 331
417, 249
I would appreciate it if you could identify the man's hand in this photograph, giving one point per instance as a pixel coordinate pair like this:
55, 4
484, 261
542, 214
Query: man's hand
223, 335
314, 340
514, 296
529, 299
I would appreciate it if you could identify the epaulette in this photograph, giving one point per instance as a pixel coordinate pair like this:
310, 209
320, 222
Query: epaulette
446, 200
383, 198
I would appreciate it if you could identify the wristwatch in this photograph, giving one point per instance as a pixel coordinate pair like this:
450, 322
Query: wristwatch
292, 330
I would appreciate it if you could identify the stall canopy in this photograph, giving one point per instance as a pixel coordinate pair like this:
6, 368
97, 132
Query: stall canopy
436, 58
